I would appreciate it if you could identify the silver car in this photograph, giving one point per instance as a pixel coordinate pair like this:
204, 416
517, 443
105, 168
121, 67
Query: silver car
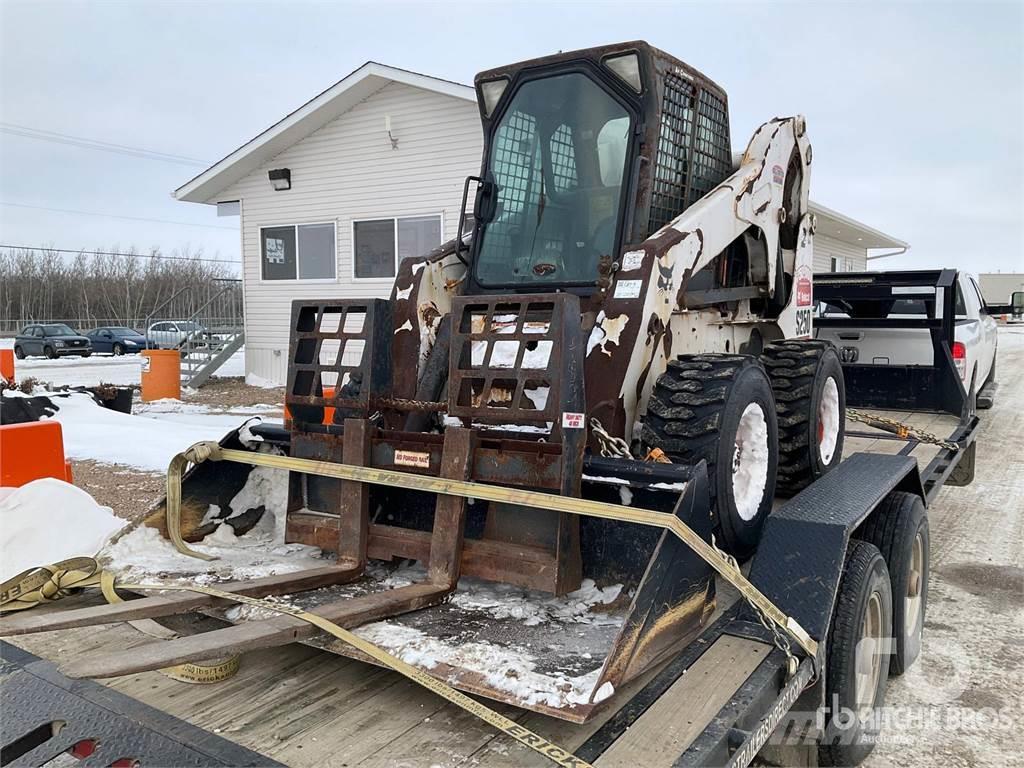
171, 334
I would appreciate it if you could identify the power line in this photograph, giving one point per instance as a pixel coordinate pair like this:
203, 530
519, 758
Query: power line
124, 255
117, 216
103, 146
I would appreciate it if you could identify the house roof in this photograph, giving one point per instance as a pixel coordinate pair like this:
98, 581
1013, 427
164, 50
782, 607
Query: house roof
315, 113
847, 230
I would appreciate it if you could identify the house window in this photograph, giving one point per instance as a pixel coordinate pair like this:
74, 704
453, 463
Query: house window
303, 252
379, 244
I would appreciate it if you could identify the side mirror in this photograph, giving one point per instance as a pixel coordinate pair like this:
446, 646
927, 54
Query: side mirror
486, 204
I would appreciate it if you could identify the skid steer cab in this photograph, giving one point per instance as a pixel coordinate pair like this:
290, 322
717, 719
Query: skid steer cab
624, 318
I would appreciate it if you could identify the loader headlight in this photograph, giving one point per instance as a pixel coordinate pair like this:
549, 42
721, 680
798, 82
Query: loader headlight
491, 92
627, 67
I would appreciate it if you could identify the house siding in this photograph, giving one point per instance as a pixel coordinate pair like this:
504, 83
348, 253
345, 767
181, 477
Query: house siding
825, 248
347, 171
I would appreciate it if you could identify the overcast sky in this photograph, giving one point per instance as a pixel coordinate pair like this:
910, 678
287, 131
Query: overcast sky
915, 111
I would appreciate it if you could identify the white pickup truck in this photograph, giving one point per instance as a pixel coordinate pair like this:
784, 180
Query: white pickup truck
894, 319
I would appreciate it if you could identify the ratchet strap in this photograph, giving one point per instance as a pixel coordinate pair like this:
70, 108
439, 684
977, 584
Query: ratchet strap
48, 583
51, 582
717, 559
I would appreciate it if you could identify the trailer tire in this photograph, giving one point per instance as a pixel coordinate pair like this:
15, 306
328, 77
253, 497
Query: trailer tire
807, 381
856, 674
899, 528
720, 409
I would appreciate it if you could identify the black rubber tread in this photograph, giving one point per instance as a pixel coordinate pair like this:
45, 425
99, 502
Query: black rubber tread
792, 367
892, 528
863, 560
685, 409
19, 353
684, 418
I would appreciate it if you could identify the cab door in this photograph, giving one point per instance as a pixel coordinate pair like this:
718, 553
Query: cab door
989, 334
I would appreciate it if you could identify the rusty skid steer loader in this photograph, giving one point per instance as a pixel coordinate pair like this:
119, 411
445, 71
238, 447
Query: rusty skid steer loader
604, 377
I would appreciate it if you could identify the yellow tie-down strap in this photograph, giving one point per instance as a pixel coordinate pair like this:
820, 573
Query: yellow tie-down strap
51, 582
718, 560
48, 583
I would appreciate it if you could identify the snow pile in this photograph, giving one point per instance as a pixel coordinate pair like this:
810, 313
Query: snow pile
261, 552
49, 520
508, 670
253, 380
93, 432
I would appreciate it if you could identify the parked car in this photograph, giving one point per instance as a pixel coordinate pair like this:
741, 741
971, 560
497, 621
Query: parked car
116, 339
975, 329
50, 340
171, 334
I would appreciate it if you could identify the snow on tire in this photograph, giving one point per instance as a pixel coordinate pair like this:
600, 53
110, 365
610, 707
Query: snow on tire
807, 381
719, 408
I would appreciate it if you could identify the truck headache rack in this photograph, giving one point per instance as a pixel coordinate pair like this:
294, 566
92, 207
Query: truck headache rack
867, 298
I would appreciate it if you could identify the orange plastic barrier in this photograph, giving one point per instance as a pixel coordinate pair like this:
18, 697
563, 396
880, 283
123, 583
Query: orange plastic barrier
161, 374
328, 410
7, 364
31, 451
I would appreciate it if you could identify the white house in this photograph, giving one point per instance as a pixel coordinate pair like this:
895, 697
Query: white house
368, 172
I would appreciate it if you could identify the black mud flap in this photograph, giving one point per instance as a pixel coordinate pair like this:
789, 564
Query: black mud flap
46, 715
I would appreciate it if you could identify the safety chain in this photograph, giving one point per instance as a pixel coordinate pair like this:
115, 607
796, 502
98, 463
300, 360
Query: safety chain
609, 445
899, 429
779, 638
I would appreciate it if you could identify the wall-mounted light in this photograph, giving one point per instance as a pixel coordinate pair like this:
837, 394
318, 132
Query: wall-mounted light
387, 127
280, 179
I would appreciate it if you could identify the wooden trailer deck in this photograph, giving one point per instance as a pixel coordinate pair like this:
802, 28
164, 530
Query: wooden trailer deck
305, 707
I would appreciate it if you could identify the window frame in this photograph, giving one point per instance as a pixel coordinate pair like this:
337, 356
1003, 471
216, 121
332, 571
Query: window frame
295, 228
394, 225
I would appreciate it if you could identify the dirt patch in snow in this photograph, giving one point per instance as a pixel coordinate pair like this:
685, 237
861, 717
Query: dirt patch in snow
232, 392
128, 492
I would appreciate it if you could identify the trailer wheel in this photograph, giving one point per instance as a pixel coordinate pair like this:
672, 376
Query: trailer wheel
807, 381
719, 408
899, 528
857, 667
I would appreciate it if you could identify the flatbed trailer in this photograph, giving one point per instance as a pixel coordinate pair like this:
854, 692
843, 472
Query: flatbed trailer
717, 702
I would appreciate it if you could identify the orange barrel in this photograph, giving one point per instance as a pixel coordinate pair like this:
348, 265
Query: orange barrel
7, 364
161, 374
30, 451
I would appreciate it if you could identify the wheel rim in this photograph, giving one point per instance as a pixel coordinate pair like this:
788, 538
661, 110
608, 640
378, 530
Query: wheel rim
828, 421
869, 657
750, 462
915, 587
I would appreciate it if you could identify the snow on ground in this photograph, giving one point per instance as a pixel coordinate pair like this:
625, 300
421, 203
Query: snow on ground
94, 432
123, 371
75, 525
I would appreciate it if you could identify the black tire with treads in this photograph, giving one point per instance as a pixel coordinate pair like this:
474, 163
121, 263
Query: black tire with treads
799, 370
893, 527
694, 413
849, 741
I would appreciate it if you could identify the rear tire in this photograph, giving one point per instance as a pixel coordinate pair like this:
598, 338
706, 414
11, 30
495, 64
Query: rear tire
19, 353
807, 381
899, 529
857, 667
719, 408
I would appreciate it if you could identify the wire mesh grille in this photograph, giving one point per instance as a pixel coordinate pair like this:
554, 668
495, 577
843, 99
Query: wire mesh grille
712, 155
672, 163
563, 159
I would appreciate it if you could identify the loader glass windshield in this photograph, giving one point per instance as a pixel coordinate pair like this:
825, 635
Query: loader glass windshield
558, 157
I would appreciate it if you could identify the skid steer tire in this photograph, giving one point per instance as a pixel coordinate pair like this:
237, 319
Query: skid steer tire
807, 381
898, 527
719, 408
863, 612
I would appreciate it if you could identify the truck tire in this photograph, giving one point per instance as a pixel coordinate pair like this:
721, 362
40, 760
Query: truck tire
807, 381
899, 529
719, 408
857, 666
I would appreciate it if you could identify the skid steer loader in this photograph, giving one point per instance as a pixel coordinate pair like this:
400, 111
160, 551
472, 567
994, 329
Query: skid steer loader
624, 317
